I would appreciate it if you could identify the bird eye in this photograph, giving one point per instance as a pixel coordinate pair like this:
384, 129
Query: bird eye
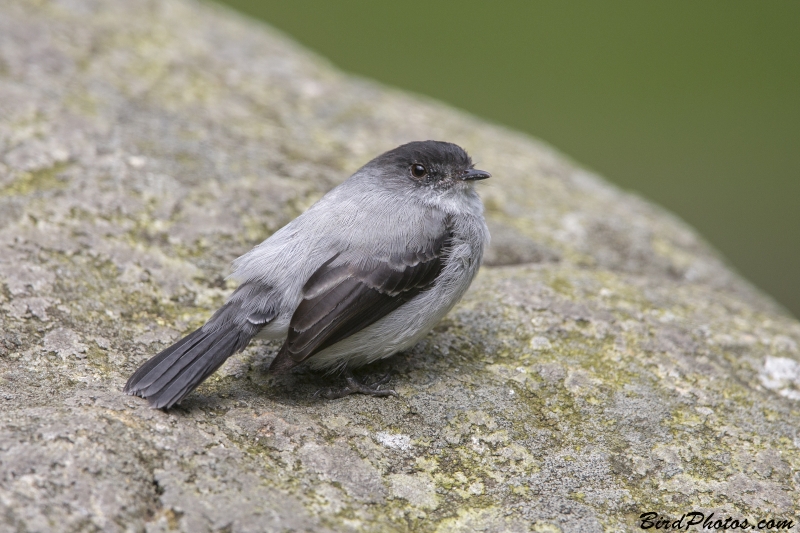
418, 171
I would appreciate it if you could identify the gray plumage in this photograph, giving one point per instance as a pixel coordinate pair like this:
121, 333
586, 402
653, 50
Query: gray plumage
364, 273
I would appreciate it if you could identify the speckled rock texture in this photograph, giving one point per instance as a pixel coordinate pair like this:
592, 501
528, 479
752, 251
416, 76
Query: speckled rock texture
605, 362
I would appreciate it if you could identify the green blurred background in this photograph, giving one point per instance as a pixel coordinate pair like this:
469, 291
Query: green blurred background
694, 105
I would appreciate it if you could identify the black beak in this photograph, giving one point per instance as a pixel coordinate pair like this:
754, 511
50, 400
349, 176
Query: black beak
473, 174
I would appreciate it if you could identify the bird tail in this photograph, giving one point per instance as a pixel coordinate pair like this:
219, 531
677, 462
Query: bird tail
169, 376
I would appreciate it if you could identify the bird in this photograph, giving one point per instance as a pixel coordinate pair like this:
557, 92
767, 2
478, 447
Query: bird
364, 273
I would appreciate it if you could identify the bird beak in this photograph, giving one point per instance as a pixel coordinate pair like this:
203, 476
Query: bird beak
473, 174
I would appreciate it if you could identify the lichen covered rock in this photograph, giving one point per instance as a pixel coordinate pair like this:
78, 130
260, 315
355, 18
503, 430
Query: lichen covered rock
605, 363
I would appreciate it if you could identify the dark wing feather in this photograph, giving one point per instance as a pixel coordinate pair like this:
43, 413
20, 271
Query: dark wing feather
343, 299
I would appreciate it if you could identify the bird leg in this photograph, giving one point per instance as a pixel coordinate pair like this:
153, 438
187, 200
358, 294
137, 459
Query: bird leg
354, 386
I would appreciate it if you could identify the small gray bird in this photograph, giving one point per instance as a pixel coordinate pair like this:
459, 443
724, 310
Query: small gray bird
364, 273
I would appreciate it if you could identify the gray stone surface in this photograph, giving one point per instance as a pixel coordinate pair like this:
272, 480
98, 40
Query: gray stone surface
608, 364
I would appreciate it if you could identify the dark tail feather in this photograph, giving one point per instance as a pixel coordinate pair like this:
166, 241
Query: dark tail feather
172, 374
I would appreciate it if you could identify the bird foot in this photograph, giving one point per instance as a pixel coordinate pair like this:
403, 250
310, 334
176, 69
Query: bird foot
354, 386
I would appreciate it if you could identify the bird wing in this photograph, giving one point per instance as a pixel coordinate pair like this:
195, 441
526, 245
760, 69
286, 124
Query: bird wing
342, 298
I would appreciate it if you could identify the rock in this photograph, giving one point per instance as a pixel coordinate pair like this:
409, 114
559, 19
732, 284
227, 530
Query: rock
609, 363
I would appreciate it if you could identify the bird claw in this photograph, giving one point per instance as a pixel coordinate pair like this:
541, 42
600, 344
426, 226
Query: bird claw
381, 380
356, 387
